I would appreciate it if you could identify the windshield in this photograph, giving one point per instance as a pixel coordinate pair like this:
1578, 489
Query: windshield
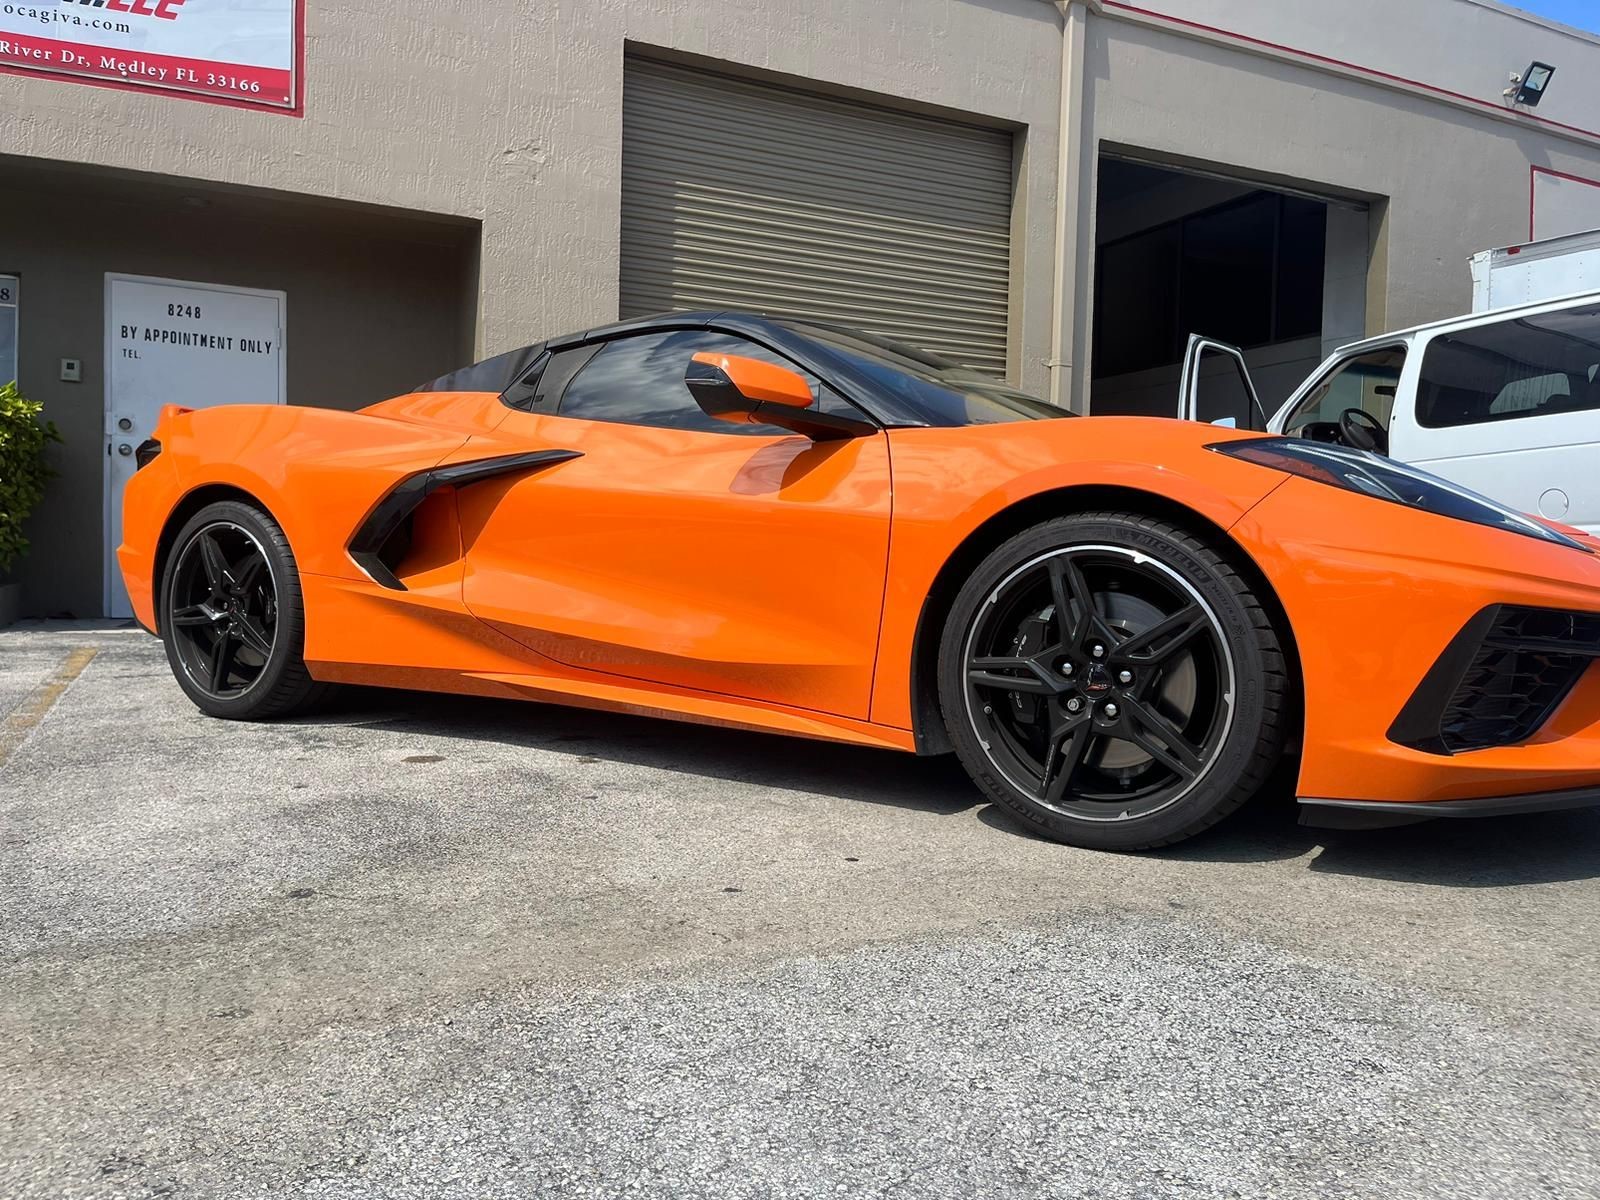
939, 391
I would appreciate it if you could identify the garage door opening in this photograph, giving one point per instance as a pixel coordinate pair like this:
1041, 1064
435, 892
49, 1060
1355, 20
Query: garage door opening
1280, 274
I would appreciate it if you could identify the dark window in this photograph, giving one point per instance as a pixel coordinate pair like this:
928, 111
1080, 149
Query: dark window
1137, 306
1249, 273
938, 391
1525, 367
1302, 252
1227, 269
524, 392
639, 381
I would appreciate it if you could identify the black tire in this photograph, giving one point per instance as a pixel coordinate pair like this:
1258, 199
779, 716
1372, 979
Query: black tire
1176, 722
232, 616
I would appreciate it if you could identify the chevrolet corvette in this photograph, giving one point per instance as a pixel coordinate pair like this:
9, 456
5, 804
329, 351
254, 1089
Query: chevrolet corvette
1124, 627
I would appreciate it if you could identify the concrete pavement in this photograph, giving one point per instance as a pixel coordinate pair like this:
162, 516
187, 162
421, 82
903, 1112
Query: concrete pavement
421, 946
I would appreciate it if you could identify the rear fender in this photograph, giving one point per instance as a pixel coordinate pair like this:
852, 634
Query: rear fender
317, 471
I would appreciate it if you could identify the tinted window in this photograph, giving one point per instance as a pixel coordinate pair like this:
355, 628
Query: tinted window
1248, 272
1526, 367
1367, 381
639, 381
939, 391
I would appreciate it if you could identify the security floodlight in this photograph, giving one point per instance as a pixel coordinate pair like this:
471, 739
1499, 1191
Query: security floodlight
1528, 87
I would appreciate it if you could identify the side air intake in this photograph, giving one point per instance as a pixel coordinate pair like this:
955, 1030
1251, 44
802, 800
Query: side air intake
1499, 680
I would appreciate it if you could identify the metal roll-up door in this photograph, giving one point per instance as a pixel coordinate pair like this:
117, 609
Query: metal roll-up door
744, 196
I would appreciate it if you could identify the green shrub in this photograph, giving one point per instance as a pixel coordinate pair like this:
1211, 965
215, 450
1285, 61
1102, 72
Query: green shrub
22, 468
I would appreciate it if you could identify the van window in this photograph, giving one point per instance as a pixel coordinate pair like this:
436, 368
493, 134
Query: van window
1366, 381
1507, 370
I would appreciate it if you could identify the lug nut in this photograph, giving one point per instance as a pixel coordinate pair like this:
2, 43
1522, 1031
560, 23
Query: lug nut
1124, 676
1097, 650
1066, 669
1111, 711
1074, 705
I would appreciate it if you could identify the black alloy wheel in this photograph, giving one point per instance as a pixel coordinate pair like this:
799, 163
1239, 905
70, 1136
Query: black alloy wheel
1107, 678
231, 615
225, 615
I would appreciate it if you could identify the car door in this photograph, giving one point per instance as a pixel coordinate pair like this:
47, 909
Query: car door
1215, 387
678, 549
1511, 408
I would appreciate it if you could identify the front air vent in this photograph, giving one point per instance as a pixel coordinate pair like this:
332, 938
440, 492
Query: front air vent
1500, 679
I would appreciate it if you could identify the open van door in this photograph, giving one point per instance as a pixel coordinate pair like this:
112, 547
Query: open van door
1218, 393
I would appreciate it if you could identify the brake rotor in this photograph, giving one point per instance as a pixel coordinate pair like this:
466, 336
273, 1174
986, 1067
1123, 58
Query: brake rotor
1175, 695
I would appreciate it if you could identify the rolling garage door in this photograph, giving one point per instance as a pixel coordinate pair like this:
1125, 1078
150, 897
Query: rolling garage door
740, 195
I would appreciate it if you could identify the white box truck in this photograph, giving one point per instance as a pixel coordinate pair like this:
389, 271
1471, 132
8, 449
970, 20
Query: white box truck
1534, 271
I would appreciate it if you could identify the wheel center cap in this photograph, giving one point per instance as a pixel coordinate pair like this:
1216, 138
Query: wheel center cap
1096, 680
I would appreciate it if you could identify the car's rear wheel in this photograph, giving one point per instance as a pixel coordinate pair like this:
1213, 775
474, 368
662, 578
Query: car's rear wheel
232, 616
1112, 681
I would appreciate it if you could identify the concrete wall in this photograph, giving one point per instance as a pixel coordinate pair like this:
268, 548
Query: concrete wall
508, 117
1464, 47
1443, 180
511, 114
376, 305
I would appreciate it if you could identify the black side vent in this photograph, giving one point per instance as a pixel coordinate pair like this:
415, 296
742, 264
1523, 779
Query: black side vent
1500, 679
384, 536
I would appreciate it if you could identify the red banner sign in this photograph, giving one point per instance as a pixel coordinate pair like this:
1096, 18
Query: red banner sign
244, 52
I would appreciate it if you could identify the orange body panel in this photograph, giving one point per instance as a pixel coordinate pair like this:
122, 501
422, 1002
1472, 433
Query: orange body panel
774, 583
1375, 592
690, 559
948, 482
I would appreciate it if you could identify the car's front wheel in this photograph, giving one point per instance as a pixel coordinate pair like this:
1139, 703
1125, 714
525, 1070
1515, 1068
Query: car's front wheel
1113, 682
232, 617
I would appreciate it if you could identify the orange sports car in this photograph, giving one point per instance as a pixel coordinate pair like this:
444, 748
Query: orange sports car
1123, 626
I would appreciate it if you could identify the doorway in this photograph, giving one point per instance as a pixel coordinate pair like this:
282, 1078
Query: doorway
172, 342
1178, 252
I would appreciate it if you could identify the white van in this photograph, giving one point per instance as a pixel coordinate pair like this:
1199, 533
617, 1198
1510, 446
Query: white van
1505, 402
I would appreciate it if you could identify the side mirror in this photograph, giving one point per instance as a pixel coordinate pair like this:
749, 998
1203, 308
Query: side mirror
747, 391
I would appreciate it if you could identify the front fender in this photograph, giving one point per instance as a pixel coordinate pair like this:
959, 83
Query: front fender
951, 485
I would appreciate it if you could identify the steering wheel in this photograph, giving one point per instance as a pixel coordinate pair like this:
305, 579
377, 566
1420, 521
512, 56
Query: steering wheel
1361, 429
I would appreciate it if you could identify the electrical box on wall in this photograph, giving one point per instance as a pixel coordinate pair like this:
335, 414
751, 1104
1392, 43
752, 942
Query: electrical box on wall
71, 370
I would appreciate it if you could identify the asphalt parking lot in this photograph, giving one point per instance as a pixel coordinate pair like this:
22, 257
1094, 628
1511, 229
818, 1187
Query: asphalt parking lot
430, 947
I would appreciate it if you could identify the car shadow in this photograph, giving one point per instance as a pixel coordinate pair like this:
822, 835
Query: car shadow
1465, 853
1492, 852
933, 785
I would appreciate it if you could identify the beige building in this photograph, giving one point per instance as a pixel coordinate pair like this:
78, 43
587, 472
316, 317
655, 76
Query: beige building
1058, 192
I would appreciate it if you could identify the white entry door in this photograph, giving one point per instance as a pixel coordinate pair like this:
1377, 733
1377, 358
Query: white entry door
170, 342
